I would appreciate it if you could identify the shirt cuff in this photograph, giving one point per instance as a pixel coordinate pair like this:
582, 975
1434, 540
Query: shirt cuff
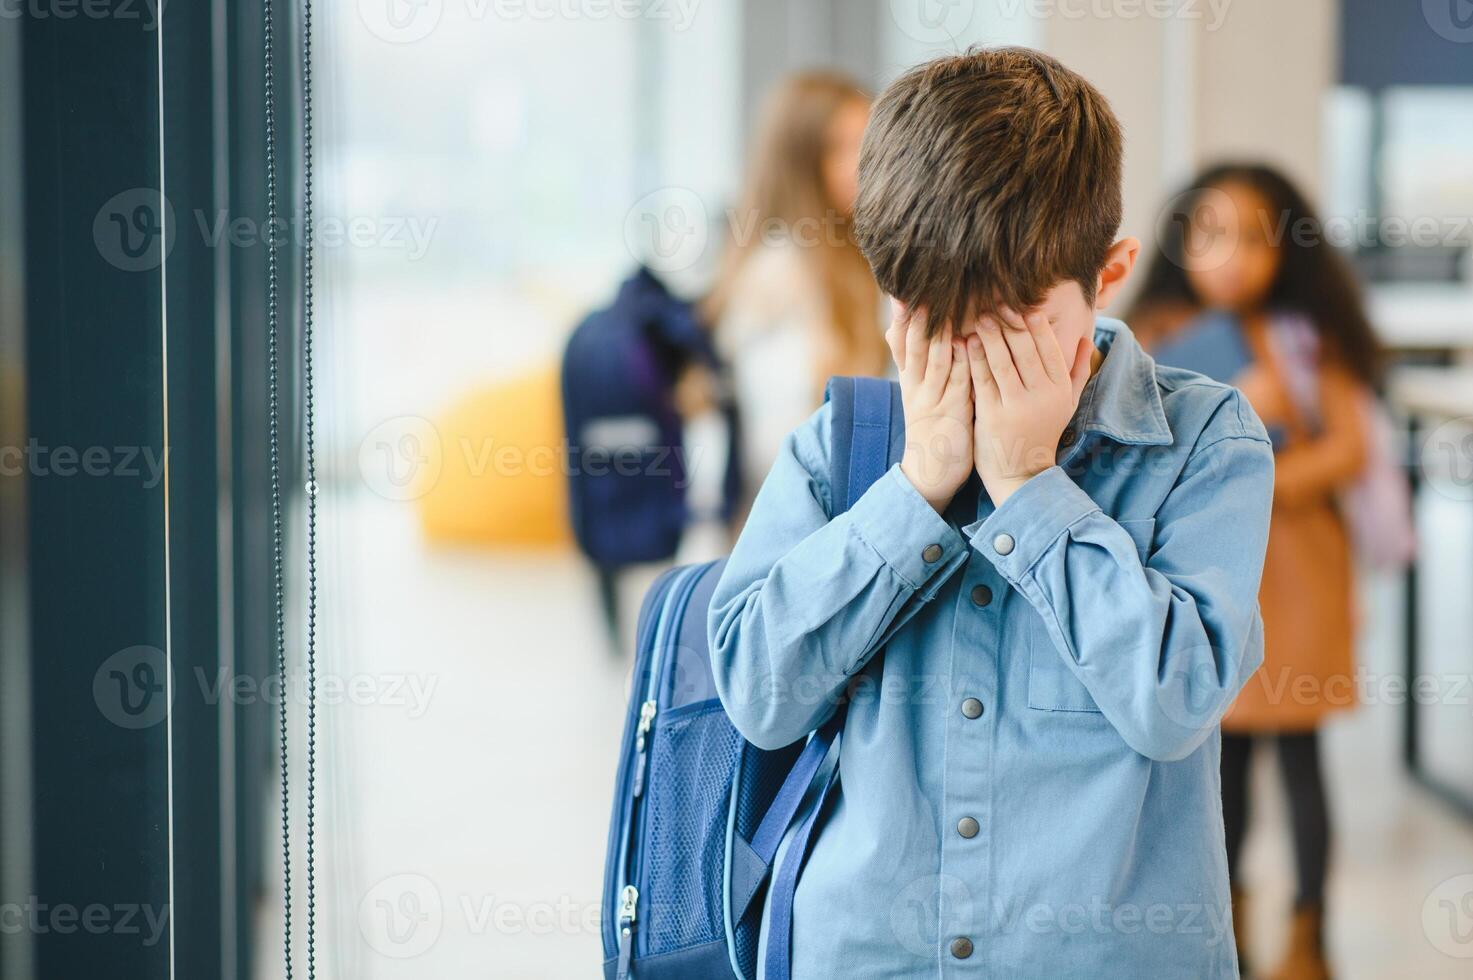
916, 542
1017, 534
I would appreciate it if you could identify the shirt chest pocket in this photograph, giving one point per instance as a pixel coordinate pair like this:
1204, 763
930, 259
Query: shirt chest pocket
1052, 686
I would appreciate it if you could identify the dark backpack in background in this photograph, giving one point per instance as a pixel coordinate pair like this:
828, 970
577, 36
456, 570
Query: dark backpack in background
627, 474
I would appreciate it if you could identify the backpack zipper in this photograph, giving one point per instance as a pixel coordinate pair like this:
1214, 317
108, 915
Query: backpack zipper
628, 906
678, 596
641, 756
619, 870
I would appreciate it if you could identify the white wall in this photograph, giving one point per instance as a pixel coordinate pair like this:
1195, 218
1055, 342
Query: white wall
1123, 59
912, 31
1262, 80
1239, 79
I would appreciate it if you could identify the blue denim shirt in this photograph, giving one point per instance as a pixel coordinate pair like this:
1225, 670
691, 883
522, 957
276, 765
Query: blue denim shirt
1029, 772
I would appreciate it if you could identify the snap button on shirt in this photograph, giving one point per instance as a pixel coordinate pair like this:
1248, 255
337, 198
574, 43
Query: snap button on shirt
1002, 544
968, 827
982, 595
961, 947
972, 708
932, 553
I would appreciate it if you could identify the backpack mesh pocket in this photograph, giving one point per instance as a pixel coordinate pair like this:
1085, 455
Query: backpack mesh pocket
690, 770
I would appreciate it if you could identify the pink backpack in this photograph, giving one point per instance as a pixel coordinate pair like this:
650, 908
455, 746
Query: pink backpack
1378, 506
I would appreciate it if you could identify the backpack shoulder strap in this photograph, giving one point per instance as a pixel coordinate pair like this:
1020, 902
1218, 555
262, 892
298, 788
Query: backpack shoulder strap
863, 421
863, 410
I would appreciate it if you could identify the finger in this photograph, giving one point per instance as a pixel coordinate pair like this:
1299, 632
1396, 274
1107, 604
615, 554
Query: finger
1000, 359
915, 347
938, 363
959, 384
1020, 342
895, 340
984, 385
1083, 362
1050, 355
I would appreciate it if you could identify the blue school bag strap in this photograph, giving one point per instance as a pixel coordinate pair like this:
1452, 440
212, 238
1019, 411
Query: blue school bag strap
859, 441
861, 412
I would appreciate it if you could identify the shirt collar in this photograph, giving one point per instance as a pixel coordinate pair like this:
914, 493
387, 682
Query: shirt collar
1122, 400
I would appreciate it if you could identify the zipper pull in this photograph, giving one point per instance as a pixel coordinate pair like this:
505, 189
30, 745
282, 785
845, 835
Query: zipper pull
646, 722
628, 903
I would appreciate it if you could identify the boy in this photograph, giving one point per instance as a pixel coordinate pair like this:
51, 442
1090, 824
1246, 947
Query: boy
1062, 571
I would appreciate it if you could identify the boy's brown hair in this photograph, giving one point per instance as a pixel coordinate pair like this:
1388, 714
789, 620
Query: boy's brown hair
986, 179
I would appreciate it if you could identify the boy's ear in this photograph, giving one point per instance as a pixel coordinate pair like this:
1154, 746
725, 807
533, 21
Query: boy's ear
1116, 270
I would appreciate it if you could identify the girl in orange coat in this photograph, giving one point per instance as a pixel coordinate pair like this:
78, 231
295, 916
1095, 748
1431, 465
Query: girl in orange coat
1245, 241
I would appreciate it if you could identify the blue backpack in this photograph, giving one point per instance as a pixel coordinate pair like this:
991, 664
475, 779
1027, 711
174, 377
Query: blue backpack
627, 475
698, 811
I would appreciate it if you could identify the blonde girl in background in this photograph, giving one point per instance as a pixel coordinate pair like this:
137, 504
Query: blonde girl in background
794, 301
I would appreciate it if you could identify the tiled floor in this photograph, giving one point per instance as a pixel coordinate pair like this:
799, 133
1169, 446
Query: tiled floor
462, 821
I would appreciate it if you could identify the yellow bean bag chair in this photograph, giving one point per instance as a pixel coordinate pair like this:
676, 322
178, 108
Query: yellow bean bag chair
499, 475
